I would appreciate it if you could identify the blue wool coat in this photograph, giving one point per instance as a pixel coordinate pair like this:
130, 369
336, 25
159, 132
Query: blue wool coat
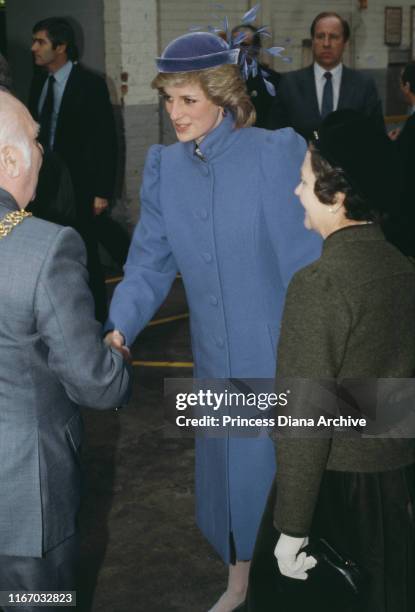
234, 229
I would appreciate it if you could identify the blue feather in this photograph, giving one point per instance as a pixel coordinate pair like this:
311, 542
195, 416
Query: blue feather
239, 38
263, 30
275, 51
251, 15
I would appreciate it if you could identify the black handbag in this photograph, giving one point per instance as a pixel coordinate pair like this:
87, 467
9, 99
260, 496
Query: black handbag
338, 581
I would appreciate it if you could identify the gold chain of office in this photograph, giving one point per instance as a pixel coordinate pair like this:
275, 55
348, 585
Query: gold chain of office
10, 221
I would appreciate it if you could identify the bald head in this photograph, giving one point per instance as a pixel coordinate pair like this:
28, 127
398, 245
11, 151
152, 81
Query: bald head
20, 156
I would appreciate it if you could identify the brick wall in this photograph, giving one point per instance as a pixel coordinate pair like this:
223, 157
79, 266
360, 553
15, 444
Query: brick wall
177, 16
131, 45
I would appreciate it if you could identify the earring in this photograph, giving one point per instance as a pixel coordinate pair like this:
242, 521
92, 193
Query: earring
334, 210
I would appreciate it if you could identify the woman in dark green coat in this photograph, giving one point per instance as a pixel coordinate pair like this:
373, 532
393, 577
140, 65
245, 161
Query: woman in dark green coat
349, 315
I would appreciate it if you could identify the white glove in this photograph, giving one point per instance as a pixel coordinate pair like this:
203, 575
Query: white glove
290, 564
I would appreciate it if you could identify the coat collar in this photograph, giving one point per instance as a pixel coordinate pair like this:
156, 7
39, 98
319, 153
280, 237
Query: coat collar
353, 233
7, 201
216, 142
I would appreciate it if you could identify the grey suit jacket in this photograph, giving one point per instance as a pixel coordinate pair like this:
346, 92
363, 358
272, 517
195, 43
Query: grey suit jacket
296, 104
349, 315
52, 358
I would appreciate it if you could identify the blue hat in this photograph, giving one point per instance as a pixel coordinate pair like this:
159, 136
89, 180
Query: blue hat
196, 51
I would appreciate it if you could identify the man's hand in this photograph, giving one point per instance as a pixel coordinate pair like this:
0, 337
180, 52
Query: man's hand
290, 563
117, 341
99, 205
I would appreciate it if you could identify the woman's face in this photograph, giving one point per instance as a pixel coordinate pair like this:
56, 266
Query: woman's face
191, 113
317, 215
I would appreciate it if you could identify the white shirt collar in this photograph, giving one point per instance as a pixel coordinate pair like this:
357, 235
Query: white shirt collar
319, 71
63, 73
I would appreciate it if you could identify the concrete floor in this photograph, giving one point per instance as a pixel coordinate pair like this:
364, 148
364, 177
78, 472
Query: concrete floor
141, 549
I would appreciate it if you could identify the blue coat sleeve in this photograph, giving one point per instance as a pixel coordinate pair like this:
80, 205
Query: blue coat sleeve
150, 268
282, 156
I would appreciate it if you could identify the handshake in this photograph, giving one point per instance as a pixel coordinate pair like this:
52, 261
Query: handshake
117, 341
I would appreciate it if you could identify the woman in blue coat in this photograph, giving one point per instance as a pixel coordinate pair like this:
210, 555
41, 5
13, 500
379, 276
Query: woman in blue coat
218, 207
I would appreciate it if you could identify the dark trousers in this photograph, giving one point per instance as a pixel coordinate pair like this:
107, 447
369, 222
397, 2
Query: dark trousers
55, 571
113, 237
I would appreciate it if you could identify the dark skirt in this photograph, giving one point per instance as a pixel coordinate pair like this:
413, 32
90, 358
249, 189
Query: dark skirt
366, 517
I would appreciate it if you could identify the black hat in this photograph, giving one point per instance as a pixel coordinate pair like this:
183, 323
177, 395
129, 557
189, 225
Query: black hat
350, 140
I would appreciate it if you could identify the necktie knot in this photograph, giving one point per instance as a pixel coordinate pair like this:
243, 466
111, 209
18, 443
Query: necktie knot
328, 76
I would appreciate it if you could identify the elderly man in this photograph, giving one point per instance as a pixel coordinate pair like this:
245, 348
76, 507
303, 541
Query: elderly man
306, 96
52, 358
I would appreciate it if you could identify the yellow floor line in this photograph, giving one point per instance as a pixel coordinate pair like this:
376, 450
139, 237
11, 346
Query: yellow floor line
164, 364
178, 317
116, 279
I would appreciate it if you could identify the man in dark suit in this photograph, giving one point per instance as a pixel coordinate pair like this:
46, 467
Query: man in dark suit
76, 120
405, 137
52, 358
306, 96
401, 228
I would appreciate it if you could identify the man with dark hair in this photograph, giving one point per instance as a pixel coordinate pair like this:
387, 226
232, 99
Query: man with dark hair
306, 96
76, 120
344, 24
60, 32
403, 222
405, 136
261, 81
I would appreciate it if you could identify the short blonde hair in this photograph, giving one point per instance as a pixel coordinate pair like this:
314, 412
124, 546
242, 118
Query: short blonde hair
222, 85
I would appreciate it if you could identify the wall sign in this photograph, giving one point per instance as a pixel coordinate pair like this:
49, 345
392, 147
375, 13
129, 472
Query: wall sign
393, 25
412, 33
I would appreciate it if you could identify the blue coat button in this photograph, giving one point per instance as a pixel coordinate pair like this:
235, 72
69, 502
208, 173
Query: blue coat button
220, 342
213, 300
203, 214
207, 257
